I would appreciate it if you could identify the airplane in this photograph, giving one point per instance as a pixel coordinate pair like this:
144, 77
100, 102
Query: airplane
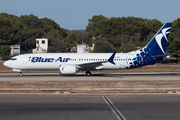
71, 63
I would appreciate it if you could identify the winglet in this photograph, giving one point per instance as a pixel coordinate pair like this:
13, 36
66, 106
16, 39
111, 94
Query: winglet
107, 51
111, 58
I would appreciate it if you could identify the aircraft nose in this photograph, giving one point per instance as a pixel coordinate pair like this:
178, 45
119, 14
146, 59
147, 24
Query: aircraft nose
5, 63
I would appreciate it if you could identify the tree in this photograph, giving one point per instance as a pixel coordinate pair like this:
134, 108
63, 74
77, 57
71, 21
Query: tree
51, 49
26, 28
102, 47
72, 40
5, 50
174, 46
57, 41
127, 47
0, 49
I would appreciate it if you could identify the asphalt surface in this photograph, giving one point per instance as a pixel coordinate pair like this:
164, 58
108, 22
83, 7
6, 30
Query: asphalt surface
89, 107
148, 107
94, 77
54, 107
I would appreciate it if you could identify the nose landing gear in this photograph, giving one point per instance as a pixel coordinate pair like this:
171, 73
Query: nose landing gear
20, 74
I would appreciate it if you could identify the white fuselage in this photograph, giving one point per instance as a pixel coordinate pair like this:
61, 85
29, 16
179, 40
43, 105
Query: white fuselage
52, 61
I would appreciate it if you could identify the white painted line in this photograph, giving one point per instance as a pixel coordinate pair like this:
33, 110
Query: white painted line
112, 109
117, 109
117, 113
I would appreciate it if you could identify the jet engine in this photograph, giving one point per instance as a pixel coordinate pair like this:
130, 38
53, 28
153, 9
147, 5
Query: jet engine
68, 69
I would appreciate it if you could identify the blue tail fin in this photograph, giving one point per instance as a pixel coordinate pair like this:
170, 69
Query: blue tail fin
157, 45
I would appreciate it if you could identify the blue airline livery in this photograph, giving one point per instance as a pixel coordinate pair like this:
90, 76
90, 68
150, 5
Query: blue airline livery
71, 63
40, 59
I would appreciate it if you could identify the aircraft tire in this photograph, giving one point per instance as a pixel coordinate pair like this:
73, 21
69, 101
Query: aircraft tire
88, 73
20, 74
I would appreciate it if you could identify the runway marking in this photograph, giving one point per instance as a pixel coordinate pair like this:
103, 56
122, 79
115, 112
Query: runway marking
117, 113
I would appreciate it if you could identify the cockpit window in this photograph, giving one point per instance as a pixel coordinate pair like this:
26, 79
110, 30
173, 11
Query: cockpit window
13, 59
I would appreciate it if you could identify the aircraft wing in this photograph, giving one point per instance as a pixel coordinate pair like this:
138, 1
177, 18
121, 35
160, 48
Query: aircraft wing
92, 65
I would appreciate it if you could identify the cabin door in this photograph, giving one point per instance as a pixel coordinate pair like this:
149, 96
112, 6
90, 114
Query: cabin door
24, 59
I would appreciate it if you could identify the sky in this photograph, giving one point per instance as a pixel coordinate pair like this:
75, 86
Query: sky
74, 14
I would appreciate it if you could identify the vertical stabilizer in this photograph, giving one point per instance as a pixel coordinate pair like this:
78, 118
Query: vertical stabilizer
157, 45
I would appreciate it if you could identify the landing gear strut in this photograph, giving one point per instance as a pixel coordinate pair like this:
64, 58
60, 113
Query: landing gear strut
20, 74
88, 73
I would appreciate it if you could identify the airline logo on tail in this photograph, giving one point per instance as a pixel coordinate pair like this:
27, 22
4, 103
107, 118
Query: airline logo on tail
157, 45
159, 37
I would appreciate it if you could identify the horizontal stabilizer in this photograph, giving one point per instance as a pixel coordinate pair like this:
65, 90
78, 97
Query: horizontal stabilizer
107, 51
164, 55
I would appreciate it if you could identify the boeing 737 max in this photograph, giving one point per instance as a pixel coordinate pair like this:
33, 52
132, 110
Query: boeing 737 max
71, 63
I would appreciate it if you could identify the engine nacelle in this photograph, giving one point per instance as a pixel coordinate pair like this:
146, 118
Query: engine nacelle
68, 69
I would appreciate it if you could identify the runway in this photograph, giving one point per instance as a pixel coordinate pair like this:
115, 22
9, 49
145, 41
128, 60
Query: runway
89, 107
94, 77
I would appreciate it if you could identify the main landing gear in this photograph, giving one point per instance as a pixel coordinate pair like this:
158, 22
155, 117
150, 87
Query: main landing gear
20, 74
88, 73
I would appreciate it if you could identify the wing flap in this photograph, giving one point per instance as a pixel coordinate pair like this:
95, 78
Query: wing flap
93, 65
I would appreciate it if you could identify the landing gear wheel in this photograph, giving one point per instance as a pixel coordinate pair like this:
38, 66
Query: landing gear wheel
88, 73
20, 74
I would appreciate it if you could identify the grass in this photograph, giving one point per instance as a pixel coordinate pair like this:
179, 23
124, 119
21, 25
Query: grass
139, 86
